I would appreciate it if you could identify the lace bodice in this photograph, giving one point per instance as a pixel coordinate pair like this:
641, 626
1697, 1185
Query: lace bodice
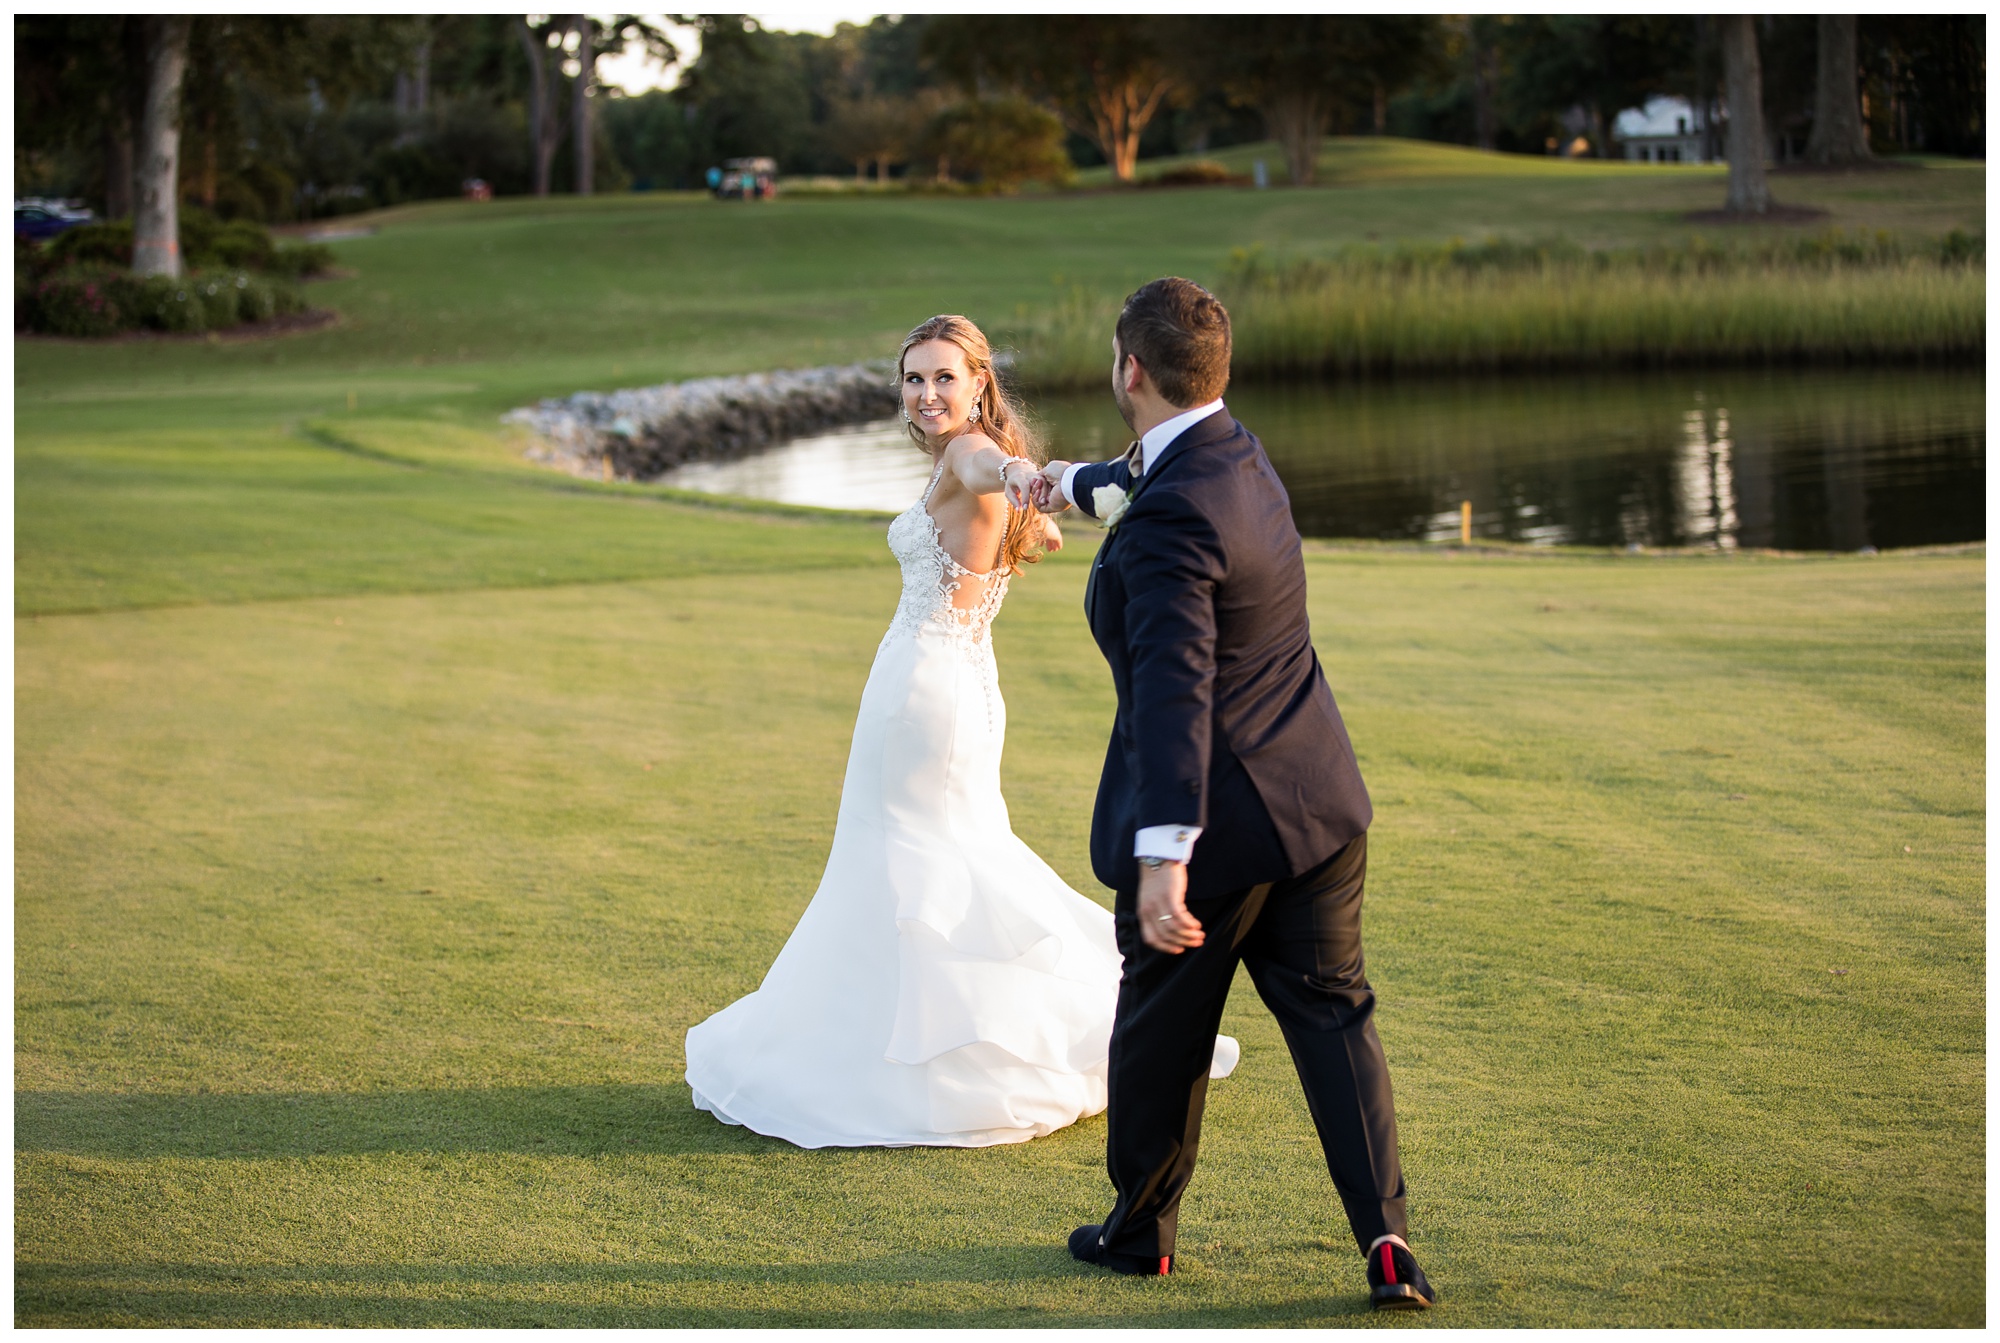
931, 577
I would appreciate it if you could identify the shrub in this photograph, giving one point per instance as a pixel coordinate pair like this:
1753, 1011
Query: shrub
31, 260
1961, 248
81, 285
259, 299
217, 296
300, 260
209, 242
1001, 141
238, 244
166, 304
1200, 173
256, 300
102, 301
108, 244
80, 301
206, 242
215, 301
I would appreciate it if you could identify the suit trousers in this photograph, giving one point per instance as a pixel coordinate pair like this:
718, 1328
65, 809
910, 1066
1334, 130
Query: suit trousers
1301, 939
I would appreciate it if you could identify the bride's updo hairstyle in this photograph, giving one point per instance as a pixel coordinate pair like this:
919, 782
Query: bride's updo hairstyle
1000, 419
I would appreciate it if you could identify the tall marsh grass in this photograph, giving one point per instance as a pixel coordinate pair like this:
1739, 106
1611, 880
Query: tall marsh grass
1832, 298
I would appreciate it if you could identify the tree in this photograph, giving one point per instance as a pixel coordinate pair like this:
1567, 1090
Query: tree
1483, 58
873, 129
1001, 142
1924, 82
543, 132
746, 94
1105, 76
592, 44
1297, 70
1838, 136
583, 127
1743, 88
1599, 64
1390, 51
156, 229
79, 98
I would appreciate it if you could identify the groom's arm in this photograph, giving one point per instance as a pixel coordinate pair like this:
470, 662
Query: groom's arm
1077, 482
1170, 566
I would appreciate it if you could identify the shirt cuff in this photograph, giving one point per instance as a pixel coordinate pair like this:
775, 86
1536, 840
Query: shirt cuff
1069, 478
1166, 841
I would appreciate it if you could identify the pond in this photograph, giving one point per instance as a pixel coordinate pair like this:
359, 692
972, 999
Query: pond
1819, 460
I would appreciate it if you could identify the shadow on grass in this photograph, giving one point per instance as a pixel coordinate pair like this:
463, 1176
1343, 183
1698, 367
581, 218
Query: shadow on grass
623, 1294
537, 1121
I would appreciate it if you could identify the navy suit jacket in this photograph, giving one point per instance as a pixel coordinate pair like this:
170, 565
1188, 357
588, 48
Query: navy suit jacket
1198, 600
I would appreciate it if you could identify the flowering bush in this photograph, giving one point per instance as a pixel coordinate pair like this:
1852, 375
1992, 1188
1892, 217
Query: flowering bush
99, 301
205, 242
77, 285
77, 302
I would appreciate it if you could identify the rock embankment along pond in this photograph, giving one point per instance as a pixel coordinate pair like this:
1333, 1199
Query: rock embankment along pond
642, 433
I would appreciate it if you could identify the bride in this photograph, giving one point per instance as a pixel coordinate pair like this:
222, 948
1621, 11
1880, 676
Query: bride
944, 987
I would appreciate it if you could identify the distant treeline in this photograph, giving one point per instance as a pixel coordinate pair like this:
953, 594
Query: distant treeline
288, 117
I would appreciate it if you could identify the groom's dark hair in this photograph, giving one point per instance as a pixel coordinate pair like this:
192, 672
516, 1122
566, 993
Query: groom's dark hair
1179, 332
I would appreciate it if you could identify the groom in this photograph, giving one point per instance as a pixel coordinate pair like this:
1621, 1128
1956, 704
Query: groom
1231, 820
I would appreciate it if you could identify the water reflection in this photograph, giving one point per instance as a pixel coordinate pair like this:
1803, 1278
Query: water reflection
1796, 461
1708, 486
1791, 460
867, 466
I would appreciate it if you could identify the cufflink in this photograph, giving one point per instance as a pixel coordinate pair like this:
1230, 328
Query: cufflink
1180, 836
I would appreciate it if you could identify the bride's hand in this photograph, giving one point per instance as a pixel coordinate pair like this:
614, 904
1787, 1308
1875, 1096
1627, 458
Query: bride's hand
1018, 480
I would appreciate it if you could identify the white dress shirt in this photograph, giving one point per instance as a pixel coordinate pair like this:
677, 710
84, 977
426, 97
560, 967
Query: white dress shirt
1174, 842
1153, 443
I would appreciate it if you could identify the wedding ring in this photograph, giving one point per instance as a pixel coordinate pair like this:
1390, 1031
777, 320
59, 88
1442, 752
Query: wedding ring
1165, 918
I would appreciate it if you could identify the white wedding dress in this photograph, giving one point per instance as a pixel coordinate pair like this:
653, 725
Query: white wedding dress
944, 987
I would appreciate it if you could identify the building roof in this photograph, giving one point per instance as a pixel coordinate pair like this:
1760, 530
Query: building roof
1663, 116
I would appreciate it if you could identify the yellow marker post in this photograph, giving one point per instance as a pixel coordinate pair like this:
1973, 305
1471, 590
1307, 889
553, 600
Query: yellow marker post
1465, 522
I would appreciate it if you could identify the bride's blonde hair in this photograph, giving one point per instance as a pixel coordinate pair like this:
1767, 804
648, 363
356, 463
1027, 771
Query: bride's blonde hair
1000, 419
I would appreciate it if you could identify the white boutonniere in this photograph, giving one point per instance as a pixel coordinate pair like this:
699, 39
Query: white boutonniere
1109, 503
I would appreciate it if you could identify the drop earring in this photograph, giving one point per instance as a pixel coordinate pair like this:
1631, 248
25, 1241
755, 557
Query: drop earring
973, 416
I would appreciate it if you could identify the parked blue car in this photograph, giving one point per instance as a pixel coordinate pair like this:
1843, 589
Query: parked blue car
40, 220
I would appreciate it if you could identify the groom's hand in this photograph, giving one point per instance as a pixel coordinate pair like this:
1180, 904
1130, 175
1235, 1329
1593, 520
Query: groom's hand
1048, 488
1164, 921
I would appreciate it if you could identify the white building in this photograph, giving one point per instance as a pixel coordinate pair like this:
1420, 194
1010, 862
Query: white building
1663, 131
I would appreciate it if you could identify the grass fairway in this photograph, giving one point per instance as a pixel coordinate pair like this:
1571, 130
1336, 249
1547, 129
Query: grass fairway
356, 938
386, 811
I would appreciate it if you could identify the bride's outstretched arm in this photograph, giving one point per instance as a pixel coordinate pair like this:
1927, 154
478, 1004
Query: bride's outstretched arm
983, 468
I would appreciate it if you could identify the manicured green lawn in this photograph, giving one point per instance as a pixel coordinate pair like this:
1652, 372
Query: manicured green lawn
386, 810
356, 938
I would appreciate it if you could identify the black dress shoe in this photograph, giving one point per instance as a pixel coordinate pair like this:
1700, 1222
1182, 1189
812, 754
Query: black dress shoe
1394, 1280
1087, 1243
